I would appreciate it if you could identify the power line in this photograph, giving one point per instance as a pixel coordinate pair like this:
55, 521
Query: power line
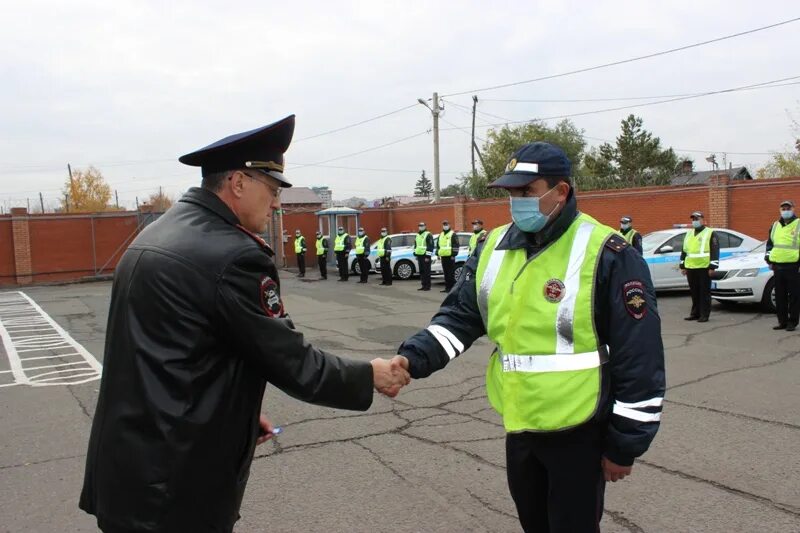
363, 151
623, 61
355, 124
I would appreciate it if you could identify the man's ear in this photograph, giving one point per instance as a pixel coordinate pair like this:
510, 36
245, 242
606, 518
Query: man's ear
235, 183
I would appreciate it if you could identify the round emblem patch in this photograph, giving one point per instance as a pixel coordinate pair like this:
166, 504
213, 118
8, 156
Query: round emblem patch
554, 290
270, 299
511, 164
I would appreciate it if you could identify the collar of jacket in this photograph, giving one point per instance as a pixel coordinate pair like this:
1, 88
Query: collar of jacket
786, 222
516, 238
212, 202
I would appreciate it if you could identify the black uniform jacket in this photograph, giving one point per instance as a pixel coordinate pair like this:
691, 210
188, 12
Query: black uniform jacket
634, 374
714, 251
196, 329
637, 239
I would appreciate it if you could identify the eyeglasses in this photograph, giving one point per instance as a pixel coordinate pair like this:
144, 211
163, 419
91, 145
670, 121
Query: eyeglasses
276, 191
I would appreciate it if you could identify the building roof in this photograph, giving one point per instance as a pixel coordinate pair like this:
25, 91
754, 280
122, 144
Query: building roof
701, 178
338, 211
300, 195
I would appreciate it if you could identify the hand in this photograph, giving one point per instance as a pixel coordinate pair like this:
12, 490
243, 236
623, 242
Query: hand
266, 430
614, 472
390, 375
683, 271
710, 271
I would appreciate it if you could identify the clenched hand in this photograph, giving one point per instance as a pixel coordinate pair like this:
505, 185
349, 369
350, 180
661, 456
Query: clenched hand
390, 375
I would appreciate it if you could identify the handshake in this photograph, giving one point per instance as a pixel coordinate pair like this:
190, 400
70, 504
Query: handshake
390, 375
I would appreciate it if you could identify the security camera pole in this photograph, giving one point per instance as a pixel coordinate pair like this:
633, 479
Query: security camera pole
435, 109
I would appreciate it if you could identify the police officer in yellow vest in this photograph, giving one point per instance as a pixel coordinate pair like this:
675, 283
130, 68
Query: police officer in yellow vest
447, 250
384, 248
362, 254
423, 251
699, 259
322, 255
300, 252
342, 247
578, 369
477, 233
632, 237
783, 256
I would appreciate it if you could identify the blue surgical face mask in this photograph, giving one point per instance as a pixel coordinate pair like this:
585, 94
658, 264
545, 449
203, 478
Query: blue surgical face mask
526, 213
340, 232
445, 228
625, 226
789, 213
384, 234
360, 233
696, 224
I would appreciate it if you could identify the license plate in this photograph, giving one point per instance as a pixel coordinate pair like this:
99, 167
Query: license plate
713, 284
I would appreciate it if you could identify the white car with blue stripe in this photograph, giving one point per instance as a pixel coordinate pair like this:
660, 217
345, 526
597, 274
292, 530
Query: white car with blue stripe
662, 253
746, 278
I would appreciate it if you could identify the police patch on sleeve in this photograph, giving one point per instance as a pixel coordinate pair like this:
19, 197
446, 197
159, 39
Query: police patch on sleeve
633, 296
269, 297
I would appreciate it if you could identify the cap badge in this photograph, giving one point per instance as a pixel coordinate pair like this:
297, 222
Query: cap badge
511, 165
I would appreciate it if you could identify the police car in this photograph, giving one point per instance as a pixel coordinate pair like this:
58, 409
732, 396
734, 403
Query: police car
461, 257
746, 278
662, 253
404, 264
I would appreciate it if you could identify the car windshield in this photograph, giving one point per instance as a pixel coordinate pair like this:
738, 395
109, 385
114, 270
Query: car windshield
652, 240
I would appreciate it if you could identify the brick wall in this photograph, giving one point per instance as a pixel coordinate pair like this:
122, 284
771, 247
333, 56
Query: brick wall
755, 204
8, 272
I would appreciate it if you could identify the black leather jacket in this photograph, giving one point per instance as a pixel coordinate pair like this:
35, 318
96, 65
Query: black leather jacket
196, 329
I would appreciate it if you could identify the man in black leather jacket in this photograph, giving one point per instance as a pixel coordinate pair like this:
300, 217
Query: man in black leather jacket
196, 329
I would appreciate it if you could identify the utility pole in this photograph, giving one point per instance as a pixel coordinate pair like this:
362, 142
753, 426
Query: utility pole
28, 201
41, 202
435, 110
116, 198
474, 107
66, 202
137, 203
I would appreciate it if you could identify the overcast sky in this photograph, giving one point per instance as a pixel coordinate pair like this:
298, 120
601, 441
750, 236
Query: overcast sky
130, 86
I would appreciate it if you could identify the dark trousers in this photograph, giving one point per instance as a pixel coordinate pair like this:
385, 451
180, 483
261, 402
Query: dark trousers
449, 268
341, 262
556, 480
700, 288
424, 270
322, 261
787, 293
301, 264
386, 270
363, 265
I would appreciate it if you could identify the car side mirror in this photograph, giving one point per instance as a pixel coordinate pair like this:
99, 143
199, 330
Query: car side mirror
666, 249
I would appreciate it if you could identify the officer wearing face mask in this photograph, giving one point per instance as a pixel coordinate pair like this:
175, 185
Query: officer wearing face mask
322, 255
578, 369
783, 257
699, 260
384, 248
423, 250
632, 237
342, 247
477, 233
362, 254
300, 253
447, 249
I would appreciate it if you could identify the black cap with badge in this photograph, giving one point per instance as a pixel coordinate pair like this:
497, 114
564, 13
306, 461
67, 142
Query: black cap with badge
626, 220
532, 161
261, 149
697, 214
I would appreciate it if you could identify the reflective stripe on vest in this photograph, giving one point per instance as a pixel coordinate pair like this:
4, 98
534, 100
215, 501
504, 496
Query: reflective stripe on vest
445, 247
320, 246
380, 247
360, 245
338, 244
698, 248
630, 235
298, 244
473, 240
784, 242
421, 242
545, 373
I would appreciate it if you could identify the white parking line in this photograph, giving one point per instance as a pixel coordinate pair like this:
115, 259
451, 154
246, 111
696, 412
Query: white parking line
26, 328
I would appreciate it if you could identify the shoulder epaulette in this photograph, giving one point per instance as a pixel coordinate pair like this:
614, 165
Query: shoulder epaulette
617, 243
259, 240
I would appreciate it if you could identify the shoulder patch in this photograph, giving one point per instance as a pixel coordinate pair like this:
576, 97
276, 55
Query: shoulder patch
270, 298
633, 297
617, 243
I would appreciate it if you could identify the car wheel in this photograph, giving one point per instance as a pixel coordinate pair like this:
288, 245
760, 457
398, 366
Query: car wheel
457, 271
768, 298
404, 269
356, 268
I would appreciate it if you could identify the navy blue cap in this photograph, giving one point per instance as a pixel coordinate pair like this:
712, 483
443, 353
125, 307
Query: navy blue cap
261, 149
625, 220
697, 214
533, 161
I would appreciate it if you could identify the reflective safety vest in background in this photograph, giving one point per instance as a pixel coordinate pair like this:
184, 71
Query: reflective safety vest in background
698, 248
784, 242
545, 373
338, 244
360, 245
321, 246
473, 241
421, 244
630, 235
381, 250
298, 244
445, 248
